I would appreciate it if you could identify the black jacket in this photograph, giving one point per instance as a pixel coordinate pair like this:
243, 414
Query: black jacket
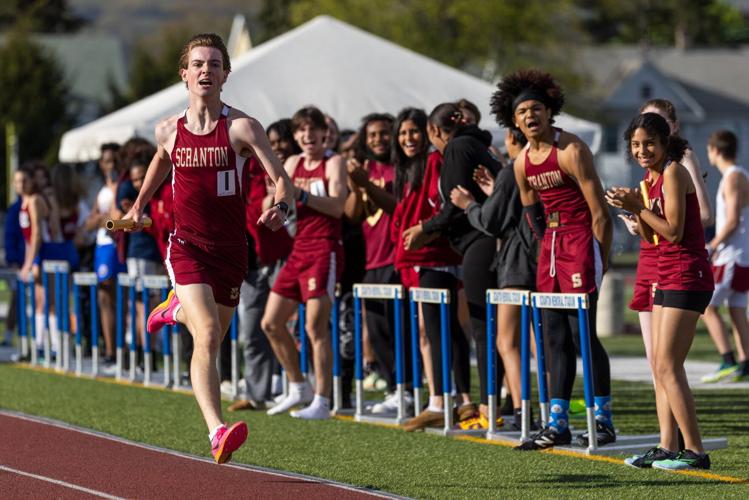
500, 216
467, 149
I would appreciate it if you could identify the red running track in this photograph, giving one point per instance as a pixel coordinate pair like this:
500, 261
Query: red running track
46, 459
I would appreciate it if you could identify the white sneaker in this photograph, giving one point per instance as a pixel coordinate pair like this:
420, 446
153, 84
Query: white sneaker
315, 411
226, 387
298, 395
390, 405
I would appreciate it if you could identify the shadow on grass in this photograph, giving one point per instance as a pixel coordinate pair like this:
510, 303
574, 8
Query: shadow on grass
607, 481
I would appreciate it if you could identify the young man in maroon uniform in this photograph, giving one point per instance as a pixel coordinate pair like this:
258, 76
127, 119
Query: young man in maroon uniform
207, 147
313, 268
575, 230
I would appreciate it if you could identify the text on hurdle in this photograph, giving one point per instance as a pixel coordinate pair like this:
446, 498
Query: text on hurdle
560, 300
508, 297
366, 291
430, 295
85, 279
55, 266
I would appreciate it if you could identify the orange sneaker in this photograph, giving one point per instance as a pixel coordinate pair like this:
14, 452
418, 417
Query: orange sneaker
226, 441
164, 314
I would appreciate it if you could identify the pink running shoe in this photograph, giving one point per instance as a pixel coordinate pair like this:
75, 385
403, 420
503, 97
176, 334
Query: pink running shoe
164, 313
226, 441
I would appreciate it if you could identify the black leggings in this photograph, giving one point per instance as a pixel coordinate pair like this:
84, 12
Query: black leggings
477, 278
461, 357
562, 328
381, 328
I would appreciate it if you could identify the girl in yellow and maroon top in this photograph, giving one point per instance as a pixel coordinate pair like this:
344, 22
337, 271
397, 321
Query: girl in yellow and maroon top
685, 284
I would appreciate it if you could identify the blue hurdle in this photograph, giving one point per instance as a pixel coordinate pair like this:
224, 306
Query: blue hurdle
61, 271
439, 296
86, 280
304, 351
364, 291
160, 283
24, 332
579, 302
521, 299
233, 337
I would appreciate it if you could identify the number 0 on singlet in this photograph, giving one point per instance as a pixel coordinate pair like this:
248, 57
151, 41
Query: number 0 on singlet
225, 184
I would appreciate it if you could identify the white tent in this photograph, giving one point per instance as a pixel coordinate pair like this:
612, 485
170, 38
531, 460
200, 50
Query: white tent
344, 71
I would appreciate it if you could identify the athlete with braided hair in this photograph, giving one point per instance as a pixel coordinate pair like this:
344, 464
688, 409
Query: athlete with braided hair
575, 230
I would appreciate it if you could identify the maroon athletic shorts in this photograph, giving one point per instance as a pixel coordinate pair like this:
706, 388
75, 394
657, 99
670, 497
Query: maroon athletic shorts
312, 270
570, 261
222, 267
646, 280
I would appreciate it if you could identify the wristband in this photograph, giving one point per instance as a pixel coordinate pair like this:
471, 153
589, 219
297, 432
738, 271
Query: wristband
303, 197
283, 207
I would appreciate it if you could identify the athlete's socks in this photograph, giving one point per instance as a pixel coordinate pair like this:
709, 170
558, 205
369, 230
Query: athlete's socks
299, 393
728, 358
39, 321
433, 406
603, 409
744, 367
317, 410
212, 434
558, 414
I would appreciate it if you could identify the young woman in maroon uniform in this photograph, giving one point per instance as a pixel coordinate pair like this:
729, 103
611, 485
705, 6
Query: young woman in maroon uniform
313, 268
207, 147
575, 229
685, 284
434, 265
647, 264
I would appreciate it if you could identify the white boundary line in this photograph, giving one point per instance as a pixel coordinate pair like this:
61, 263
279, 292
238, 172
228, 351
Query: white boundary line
60, 483
252, 468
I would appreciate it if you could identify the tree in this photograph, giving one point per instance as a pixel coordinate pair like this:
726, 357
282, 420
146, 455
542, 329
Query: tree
681, 23
35, 97
42, 16
153, 66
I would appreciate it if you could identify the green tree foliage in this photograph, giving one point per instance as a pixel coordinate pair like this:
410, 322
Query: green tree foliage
34, 98
42, 16
153, 65
682, 23
457, 32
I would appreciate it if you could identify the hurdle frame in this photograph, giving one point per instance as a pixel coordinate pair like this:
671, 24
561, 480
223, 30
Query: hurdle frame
522, 299
23, 328
441, 297
161, 284
90, 280
61, 271
373, 291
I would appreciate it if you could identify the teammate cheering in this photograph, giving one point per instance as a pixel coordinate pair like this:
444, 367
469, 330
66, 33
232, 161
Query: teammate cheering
314, 266
207, 147
556, 169
685, 284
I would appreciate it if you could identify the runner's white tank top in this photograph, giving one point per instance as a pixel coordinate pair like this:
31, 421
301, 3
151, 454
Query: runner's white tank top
736, 247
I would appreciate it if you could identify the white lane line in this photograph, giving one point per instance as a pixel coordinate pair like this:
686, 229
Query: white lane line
61, 483
246, 467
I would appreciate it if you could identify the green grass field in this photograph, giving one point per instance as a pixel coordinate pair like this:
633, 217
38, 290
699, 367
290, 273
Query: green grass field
416, 465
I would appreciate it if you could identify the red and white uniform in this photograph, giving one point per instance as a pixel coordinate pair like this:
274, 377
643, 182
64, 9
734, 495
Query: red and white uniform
208, 182
731, 262
316, 261
270, 246
646, 279
380, 250
570, 260
684, 265
417, 206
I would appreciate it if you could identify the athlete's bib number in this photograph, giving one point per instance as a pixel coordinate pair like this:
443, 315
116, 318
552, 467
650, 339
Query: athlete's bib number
226, 183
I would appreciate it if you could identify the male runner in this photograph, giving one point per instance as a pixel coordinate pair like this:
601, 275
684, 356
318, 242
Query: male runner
730, 250
207, 146
575, 229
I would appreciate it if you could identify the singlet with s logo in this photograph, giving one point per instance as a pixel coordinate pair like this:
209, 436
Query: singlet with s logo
209, 178
559, 192
312, 224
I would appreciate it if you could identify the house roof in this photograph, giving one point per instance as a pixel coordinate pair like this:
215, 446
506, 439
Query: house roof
717, 79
